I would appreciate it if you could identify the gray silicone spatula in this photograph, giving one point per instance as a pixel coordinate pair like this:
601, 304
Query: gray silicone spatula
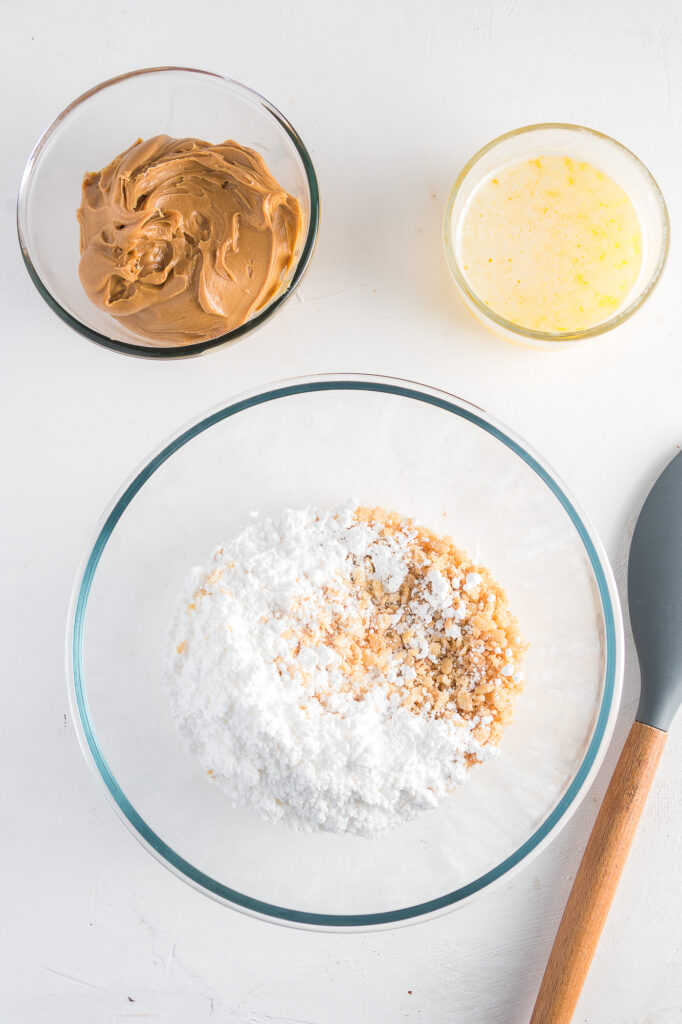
655, 599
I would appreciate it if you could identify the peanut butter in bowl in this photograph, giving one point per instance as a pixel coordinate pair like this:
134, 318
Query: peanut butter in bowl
183, 241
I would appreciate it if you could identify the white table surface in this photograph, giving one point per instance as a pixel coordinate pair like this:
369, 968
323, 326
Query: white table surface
391, 99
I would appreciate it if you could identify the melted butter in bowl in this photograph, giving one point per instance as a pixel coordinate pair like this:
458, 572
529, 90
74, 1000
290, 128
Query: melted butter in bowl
183, 241
555, 233
552, 244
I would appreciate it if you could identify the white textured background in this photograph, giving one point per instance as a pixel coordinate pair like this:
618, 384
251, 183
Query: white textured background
391, 99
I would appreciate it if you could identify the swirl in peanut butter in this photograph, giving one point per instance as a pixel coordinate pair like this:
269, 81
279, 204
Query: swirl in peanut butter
183, 241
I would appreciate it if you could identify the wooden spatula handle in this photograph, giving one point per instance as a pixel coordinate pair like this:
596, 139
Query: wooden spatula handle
598, 876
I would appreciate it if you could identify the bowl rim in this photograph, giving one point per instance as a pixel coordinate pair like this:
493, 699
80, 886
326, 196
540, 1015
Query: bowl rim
199, 347
549, 339
558, 816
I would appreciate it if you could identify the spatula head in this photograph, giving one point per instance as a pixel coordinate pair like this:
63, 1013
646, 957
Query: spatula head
655, 598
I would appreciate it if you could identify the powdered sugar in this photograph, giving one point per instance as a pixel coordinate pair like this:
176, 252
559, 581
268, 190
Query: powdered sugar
265, 699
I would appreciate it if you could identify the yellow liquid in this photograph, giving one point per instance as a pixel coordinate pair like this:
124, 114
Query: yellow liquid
552, 244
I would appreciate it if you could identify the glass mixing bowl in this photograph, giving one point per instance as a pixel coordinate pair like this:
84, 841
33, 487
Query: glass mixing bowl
106, 120
322, 440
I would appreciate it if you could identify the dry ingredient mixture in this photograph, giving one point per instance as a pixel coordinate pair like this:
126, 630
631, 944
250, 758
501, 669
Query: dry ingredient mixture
183, 241
340, 670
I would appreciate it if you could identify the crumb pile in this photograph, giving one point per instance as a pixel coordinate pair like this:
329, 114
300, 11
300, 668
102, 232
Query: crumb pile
340, 670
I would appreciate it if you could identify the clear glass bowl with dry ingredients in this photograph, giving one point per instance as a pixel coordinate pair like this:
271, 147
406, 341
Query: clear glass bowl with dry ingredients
384, 443
105, 121
531, 243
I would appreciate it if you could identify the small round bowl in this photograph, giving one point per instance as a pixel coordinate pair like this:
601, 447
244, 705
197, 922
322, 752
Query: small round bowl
106, 120
581, 144
385, 442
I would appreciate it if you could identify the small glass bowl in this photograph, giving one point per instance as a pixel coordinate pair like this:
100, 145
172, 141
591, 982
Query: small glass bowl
104, 121
582, 144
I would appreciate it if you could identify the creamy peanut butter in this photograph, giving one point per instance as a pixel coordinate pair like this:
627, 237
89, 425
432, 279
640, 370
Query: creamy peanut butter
183, 241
